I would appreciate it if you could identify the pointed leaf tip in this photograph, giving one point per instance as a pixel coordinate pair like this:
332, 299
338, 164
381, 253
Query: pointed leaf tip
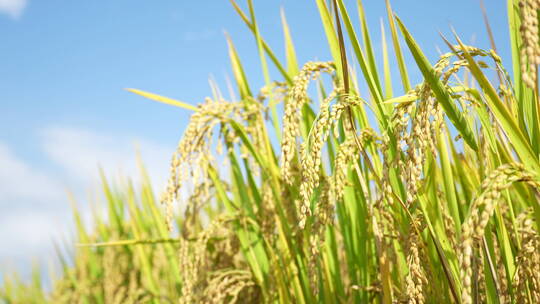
163, 99
438, 88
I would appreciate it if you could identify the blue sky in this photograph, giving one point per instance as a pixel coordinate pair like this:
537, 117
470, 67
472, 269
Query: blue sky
64, 64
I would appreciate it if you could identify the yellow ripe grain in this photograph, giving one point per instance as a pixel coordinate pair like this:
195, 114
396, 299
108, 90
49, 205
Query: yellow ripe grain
296, 98
527, 276
480, 212
530, 48
416, 278
310, 152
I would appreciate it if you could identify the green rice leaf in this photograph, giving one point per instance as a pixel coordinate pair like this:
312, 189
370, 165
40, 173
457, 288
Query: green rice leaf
162, 99
440, 91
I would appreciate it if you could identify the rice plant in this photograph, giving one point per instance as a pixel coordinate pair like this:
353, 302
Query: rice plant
307, 191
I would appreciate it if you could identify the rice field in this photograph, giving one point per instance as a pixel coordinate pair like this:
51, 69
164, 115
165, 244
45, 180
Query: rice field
310, 191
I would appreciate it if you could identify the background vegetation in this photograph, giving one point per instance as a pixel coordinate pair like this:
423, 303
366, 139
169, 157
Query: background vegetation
325, 194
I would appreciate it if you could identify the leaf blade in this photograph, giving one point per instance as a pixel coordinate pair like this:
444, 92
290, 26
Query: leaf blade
163, 99
440, 92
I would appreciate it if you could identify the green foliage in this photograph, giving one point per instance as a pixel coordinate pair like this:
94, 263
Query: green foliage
435, 202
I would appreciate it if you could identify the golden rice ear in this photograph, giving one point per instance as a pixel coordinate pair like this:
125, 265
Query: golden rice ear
528, 260
345, 193
480, 213
530, 48
296, 99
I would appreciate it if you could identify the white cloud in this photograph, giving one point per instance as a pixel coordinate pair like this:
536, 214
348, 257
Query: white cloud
81, 151
20, 181
27, 233
14, 8
34, 208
